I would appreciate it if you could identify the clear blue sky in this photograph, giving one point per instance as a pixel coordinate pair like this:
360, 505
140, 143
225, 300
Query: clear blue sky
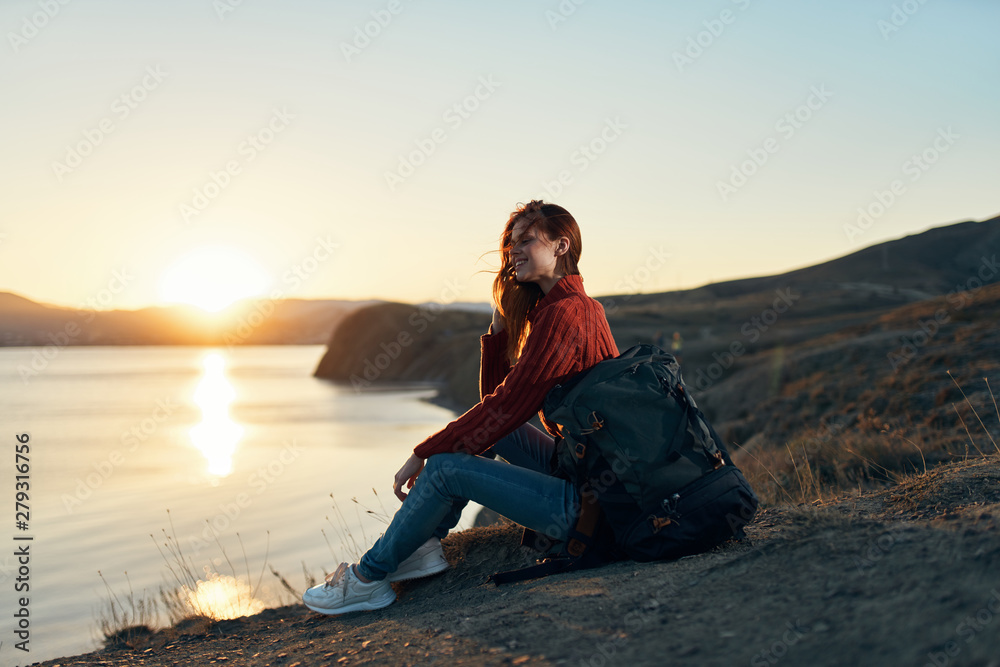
828, 101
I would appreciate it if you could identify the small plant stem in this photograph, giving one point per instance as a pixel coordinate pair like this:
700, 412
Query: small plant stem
798, 477
921, 454
975, 413
994, 399
967, 430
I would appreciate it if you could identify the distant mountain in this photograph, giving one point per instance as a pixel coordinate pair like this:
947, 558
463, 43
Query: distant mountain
843, 291
920, 265
251, 322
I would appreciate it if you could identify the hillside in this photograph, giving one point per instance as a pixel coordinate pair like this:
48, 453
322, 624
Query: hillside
905, 576
924, 264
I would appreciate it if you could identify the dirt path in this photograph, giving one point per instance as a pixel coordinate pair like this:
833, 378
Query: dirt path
908, 576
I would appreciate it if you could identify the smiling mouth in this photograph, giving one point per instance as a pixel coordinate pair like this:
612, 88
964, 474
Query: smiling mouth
519, 262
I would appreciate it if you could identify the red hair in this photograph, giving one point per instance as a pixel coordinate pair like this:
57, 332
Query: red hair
515, 300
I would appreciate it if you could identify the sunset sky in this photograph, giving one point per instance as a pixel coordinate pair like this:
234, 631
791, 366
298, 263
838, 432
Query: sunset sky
375, 149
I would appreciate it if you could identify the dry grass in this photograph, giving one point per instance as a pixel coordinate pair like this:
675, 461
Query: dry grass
122, 623
207, 595
833, 460
212, 594
343, 534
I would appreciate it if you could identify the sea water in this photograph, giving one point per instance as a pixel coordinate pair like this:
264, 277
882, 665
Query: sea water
146, 464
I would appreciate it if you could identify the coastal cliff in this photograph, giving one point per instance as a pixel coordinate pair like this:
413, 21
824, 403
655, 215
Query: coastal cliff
397, 343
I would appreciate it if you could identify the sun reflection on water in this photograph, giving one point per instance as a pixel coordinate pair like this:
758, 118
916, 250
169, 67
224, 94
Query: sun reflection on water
217, 434
223, 597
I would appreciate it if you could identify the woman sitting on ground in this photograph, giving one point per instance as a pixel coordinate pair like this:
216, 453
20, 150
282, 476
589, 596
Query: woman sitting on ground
545, 330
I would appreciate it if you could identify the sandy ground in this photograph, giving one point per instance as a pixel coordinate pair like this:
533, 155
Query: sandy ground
905, 576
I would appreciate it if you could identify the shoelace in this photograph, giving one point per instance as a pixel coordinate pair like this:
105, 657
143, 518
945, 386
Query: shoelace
339, 576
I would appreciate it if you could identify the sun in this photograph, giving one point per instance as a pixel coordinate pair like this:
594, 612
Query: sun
212, 278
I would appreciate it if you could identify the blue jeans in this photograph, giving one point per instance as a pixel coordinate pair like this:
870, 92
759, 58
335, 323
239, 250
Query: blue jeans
521, 489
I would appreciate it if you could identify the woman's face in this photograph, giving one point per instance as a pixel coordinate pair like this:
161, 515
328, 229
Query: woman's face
535, 256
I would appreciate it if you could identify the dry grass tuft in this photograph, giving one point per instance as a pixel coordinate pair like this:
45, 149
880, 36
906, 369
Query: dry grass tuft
834, 460
125, 623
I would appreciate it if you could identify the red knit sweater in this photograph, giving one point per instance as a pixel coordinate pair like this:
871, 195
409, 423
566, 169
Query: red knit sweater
568, 334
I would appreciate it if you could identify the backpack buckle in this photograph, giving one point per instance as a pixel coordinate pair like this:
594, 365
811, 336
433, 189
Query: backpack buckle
669, 505
579, 449
717, 459
575, 548
659, 523
596, 423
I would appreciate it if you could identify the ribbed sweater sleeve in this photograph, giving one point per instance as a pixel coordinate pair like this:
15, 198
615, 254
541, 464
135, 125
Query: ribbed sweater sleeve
543, 363
565, 338
493, 365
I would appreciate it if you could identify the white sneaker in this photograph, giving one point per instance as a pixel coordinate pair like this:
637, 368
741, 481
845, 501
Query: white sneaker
344, 592
428, 559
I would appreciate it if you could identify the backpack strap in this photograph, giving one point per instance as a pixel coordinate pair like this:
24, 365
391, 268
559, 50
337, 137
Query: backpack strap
581, 537
700, 430
543, 569
580, 545
554, 565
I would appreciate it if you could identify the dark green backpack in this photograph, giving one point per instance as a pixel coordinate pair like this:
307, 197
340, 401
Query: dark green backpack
656, 482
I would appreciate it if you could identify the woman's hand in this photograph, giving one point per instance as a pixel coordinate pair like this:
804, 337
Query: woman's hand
407, 475
497, 325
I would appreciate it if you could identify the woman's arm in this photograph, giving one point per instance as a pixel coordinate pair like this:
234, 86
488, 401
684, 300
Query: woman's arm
551, 354
493, 364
